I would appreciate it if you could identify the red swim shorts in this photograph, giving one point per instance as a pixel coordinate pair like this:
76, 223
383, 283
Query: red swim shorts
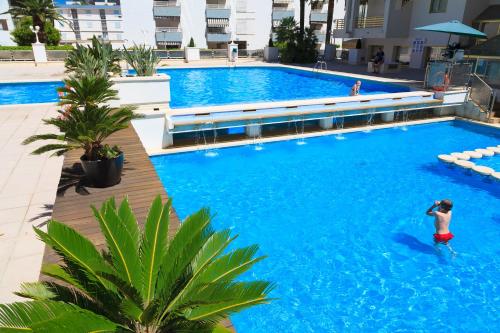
443, 238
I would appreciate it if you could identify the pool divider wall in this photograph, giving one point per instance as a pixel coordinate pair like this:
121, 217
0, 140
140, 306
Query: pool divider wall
143, 90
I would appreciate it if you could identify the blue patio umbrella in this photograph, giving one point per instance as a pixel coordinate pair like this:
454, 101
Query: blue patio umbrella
453, 28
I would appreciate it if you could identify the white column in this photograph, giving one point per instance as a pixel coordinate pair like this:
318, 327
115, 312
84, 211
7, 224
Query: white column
326, 123
253, 131
168, 137
387, 117
39, 52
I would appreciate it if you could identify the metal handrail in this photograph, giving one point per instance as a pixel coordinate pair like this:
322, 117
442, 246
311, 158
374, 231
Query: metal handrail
482, 95
369, 22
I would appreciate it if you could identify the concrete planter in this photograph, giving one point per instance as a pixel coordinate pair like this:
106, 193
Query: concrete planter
271, 54
140, 90
330, 52
355, 56
191, 54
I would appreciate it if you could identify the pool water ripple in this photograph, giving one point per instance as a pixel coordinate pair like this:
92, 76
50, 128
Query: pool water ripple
344, 225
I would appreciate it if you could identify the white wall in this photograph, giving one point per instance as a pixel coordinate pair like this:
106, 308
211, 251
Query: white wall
257, 17
138, 22
193, 22
5, 38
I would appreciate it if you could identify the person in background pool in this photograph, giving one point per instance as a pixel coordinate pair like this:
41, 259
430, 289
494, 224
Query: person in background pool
356, 88
442, 219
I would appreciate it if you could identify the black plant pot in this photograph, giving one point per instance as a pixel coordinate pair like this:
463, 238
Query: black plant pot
103, 173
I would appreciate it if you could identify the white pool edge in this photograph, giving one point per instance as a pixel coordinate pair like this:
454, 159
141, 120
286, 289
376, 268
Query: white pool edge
288, 137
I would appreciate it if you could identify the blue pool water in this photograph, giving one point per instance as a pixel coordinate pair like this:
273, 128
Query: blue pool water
216, 86
344, 225
28, 93
491, 162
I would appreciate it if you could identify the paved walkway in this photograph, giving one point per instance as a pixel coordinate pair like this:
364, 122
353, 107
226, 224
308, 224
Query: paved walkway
28, 187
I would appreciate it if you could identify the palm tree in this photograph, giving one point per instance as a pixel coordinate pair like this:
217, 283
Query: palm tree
41, 11
85, 122
97, 59
143, 281
142, 59
302, 13
329, 19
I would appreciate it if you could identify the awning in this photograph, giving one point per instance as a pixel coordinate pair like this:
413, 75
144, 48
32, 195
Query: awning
217, 22
169, 43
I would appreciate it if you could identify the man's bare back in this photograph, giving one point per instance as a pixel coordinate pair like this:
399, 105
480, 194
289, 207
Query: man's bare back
442, 219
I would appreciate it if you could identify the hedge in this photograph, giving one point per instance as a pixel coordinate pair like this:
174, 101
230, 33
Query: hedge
24, 48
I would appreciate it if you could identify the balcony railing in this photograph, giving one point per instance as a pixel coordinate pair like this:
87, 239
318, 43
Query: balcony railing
166, 9
369, 22
278, 15
338, 24
218, 37
168, 34
318, 16
321, 35
172, 3
221, 11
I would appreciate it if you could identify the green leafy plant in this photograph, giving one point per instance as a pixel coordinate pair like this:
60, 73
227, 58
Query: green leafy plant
295, 46
191, 43
23, 35
48, 47
270, 43
97, 59
142, 281
142, 59
41, 12
84, 123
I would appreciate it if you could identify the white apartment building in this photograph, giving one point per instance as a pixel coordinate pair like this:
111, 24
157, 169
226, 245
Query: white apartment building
391, 24
102, 19
213, 23
6, 25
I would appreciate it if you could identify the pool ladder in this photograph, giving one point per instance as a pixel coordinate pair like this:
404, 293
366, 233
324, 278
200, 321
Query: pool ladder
320, 65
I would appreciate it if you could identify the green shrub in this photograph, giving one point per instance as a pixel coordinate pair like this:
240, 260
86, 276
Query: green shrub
23, 36
294, 46
142, 59
191, 43
96, 59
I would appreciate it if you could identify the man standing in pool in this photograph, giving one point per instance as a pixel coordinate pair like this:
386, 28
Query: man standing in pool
356, 88
442, 219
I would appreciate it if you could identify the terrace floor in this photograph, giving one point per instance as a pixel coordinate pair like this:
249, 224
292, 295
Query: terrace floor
28, 187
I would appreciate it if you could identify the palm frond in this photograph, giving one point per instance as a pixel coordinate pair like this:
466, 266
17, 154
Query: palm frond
121, 245
50, 316
75, 248
153, 245
35, 291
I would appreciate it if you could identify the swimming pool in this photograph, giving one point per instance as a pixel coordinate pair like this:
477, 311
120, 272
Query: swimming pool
344, 225
29, 92
192, 87
491, 162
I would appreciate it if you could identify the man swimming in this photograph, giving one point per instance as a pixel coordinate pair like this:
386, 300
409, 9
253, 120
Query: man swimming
442, 219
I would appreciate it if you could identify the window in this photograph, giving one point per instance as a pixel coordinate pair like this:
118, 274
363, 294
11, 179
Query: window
116, 12
438, 6
118, 25
3, 25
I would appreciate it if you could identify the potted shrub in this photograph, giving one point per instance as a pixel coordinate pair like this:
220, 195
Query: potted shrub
356, 55
142, 59
140, 280
191, 52
271, 52
85, 122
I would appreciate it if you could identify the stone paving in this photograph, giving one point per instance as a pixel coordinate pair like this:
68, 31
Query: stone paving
28, 186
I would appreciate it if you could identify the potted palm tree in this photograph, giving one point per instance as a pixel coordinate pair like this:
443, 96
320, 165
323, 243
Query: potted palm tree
271, 52
85, 122
191, 52
142, 59
142, 281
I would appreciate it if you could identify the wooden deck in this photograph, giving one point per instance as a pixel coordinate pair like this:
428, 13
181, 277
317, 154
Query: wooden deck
139, 183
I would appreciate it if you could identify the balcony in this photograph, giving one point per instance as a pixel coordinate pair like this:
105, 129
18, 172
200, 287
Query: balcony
218, 37
278, 15
166, 8
218, 11
166, 35
318, 17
